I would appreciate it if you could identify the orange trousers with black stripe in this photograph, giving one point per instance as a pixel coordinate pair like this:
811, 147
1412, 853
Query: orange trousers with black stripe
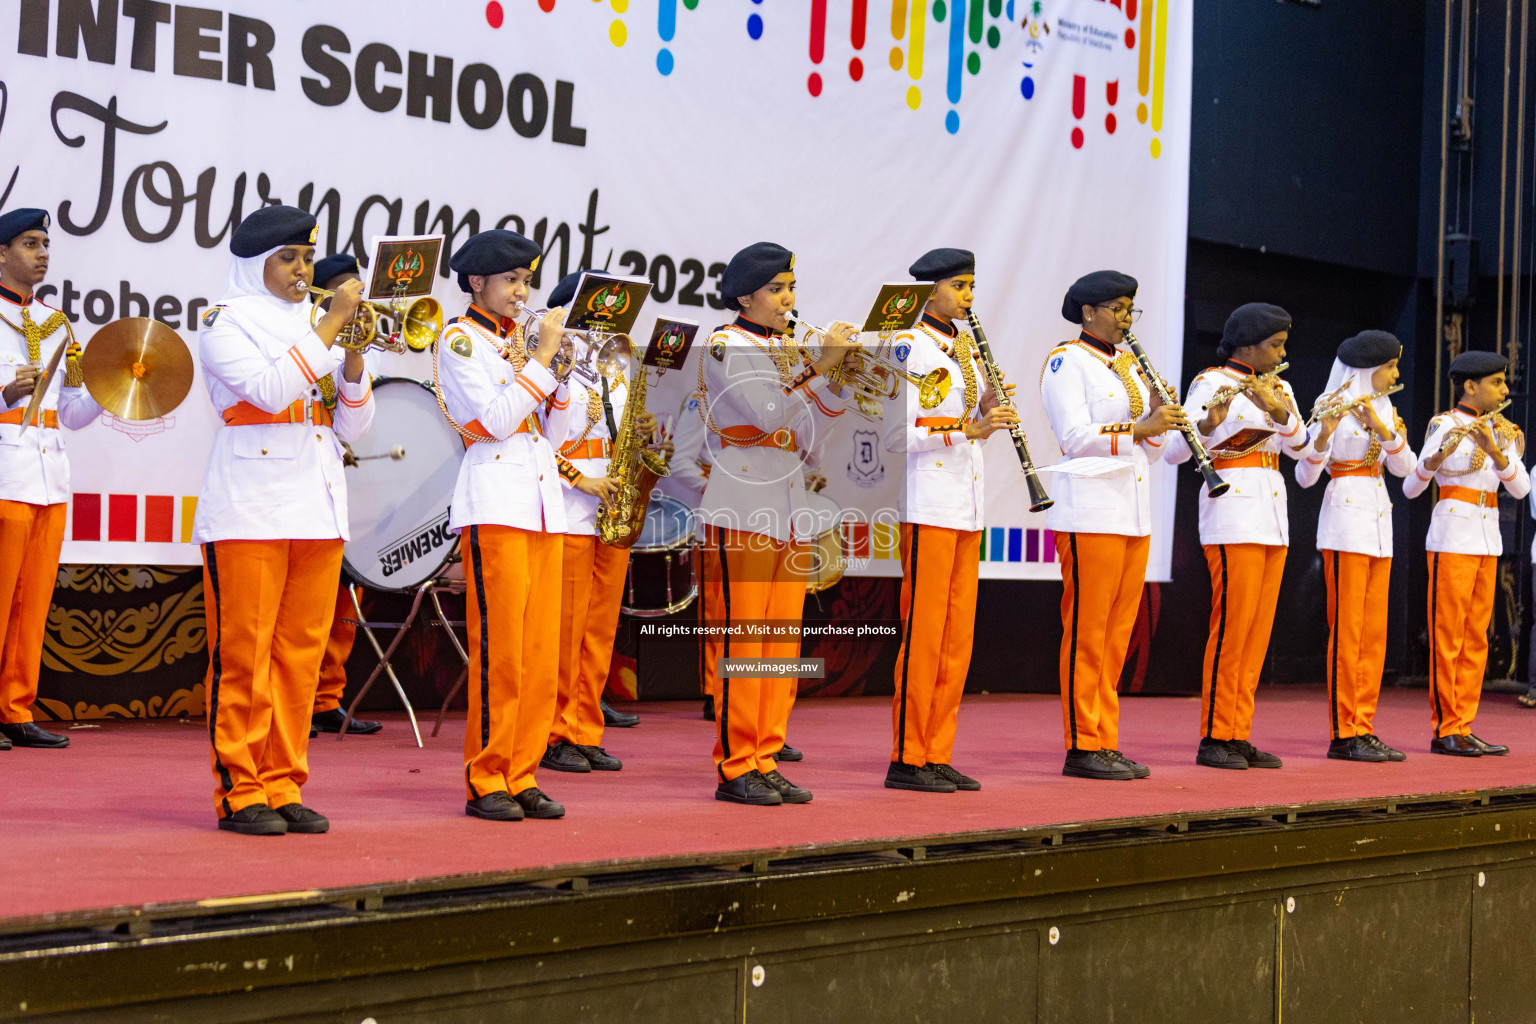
30, 539
750, 579
1102, 576
592, 587
338, 648
938, 618
268, 605
1245, 587
513, 579
1357, 638
1461, 592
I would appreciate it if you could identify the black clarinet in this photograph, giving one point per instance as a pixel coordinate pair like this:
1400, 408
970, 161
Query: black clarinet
1215, 485
1039, 501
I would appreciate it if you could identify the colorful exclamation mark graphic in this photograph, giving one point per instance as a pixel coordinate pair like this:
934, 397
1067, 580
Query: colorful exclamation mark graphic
1144, 61
617, 32
1161, 42
1130, 33
919, 25
1111, 93
856, 37
755, 22
666, 27
898, 29
1079, 99
956, 53
818, 43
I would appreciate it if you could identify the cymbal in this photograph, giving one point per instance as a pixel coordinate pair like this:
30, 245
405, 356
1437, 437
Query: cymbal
137, 368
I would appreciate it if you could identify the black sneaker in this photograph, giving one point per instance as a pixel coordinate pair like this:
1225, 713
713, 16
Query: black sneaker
1255, 757
1355, 748
599, 759
918, 779
330, 721
788, 753
1092, 764
302, 819
1219, 754
565, 757
1140, 771
1392, 753
497, 806
536, 804
791, 793
948, 774
750, 788
254, 820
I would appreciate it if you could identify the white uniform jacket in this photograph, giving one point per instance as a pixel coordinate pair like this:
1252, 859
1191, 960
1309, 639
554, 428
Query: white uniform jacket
1253, 511
275, 481
1090, 411
513, 481
1357, 511
690, 455
943, 485
760, 489
33, 467
1461, 527
567, 419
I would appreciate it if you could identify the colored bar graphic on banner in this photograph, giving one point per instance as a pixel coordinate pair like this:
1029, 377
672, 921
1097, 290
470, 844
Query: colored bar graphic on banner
87, 517
188, 515
898, 18
915, 44
159, 518
887, 540
957, 47
123, 517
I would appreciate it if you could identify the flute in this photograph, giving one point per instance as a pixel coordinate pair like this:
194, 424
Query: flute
1039, 501
1215, 485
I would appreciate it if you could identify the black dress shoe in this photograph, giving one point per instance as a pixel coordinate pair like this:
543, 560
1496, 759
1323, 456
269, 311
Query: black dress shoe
536, 804
916, 778
1219, 754
791, 793
617, 719
1488, 749
709, 709
5, 744
1454, 745
330, 721
254, 820
30, 734
1255, 757
599, 759
1140, 771
565, 757
302, 819
1092, 764
1354, 748
788, 753
948, 774
497, 806
1392, 753
751, 788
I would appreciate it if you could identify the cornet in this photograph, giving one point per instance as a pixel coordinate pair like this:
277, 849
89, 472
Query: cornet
413, 326
601, 354
873, 374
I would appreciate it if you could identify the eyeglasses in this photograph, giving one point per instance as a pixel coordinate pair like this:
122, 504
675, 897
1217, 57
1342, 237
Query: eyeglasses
1132, 314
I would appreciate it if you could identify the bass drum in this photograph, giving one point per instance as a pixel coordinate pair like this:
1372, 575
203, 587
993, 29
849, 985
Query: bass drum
399, 491
663, 571
828, 559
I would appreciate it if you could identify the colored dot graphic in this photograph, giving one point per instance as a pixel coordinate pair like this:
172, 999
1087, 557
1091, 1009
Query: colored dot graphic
493, 13
755, 26
914, 97
1027, 88
855, 69
617, 33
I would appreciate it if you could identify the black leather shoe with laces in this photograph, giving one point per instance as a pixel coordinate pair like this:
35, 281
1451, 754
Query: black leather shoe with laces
1454, 745
617, 719
750, 788
917, 779
1354, 748
536, 804
1140, 771
1255, 757
30, 734
565, 757
948, 774
497, 806
1488, 749
254, 820
1393, 754
599, 759
330, 721
788, 791
788, 753
1092, 764
302, 819
1219, 754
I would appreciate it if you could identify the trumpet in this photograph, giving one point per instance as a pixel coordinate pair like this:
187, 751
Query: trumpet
1227, 392
601, 354
1334, 404
414, 326
1456, 435
873, 375
1215, 485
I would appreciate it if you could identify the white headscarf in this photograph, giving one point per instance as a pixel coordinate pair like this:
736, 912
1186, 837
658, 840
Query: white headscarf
247, 294
1359, 380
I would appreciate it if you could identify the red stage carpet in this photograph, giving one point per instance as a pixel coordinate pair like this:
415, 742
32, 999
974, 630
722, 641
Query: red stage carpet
124, 816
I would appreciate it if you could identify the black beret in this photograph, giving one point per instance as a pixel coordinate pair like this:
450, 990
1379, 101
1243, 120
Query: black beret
1369, 348
21, 221
564, 292
754, 267
270, 227
496, 252
334, 266
937, 264
1251, 323
1477, 365
1092, 289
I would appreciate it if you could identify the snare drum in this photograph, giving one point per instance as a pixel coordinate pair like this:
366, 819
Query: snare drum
663, 572
828, 559
399, 492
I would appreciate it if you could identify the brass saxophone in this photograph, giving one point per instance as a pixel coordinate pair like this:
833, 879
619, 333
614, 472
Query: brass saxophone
635, 468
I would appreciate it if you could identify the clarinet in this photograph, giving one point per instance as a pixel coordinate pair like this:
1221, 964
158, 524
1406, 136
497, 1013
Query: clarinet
1215, 485
1039, 501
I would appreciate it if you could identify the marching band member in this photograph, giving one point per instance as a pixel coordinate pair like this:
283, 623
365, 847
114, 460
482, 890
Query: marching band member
1100, 407
1354, 534
941, 506
584, 424
1245, 533
272, 516
763, 406
508, 504
34, 472
331, 273
1469, 452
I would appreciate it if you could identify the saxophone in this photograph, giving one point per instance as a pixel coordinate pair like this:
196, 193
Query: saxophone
635, 468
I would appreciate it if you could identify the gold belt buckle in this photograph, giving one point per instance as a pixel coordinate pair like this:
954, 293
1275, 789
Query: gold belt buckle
783, 438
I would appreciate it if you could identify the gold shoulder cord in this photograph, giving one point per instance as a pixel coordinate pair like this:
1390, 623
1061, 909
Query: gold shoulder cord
964, 354
1504, 432
1372, 453
1124, 366
782, 362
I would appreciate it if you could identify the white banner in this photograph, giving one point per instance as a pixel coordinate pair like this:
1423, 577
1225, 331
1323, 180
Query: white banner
653, 137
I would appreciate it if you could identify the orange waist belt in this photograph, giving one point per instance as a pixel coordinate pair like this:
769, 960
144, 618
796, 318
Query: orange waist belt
50, 417
1470, 495
939, 423
1374, 469
1254, 460
750, 437
525, 427
245, 414
592, 448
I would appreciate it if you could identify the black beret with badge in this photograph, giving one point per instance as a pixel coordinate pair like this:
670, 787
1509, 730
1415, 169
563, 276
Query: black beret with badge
1095, 288
333, 266
20, 221
1369, 348
565, 291
938, 264
272, 227
1475, 365
1250, 324
752, 268
494, 252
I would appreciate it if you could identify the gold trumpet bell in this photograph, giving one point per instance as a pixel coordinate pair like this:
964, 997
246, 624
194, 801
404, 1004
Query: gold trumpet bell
933, 388
422, 323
